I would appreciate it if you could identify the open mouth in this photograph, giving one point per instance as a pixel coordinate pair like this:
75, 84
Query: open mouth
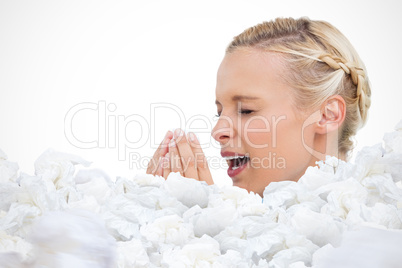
236, 162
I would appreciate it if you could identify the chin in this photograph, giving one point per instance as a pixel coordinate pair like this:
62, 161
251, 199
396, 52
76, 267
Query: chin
239, 183
242, 184
245, 185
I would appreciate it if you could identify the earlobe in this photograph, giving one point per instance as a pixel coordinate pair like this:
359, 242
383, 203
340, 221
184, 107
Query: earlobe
333, 112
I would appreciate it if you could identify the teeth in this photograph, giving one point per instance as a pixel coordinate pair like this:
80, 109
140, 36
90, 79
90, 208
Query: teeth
235, 157
241, 157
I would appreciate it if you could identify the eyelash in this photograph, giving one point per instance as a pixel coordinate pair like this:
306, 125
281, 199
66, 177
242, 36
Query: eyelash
241, 112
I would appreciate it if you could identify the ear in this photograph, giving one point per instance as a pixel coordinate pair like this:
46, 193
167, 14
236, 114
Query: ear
333, 112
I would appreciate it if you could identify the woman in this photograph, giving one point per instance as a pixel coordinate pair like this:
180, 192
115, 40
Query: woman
289, 92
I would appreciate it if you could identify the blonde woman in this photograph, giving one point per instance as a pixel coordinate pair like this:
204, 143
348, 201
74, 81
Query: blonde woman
288, 93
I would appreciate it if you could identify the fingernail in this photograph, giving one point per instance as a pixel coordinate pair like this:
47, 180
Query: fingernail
194, 138
172, 143
191, 136
167, 134
165, 143
167, 156
178, 133
165, 138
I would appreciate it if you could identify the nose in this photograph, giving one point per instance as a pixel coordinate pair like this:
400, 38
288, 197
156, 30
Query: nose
223, 130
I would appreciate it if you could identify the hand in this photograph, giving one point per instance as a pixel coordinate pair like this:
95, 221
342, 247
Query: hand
185, 156
162, 150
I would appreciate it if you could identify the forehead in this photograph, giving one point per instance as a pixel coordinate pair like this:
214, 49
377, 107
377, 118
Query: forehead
250, 72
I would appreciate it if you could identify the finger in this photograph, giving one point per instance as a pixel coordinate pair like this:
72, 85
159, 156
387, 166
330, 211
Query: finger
166, 166
204, 174
158, 170
161, 151
186, 154
175, 164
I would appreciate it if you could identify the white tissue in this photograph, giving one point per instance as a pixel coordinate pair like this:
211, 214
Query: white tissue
60, 218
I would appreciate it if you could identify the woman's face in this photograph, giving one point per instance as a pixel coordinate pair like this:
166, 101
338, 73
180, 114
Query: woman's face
258, 119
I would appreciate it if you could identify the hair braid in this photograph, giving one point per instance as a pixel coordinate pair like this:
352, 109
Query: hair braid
357, 75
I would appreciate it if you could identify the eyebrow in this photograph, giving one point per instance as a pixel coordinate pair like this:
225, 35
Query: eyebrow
240, 97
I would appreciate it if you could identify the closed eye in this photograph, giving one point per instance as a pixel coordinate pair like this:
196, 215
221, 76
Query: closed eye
241, 112
246, 111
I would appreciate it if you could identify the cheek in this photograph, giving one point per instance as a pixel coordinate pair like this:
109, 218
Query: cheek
280, 137
281, 134
289, 135
257, 133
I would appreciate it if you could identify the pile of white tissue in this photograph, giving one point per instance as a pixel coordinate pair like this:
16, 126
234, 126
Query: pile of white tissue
338, 212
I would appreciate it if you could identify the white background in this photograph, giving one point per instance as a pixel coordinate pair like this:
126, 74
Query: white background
131, 54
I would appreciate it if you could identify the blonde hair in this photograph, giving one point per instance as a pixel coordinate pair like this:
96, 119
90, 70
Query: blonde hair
320, 62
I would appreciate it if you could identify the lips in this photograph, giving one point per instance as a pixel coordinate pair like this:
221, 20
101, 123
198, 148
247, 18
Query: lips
230, 154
